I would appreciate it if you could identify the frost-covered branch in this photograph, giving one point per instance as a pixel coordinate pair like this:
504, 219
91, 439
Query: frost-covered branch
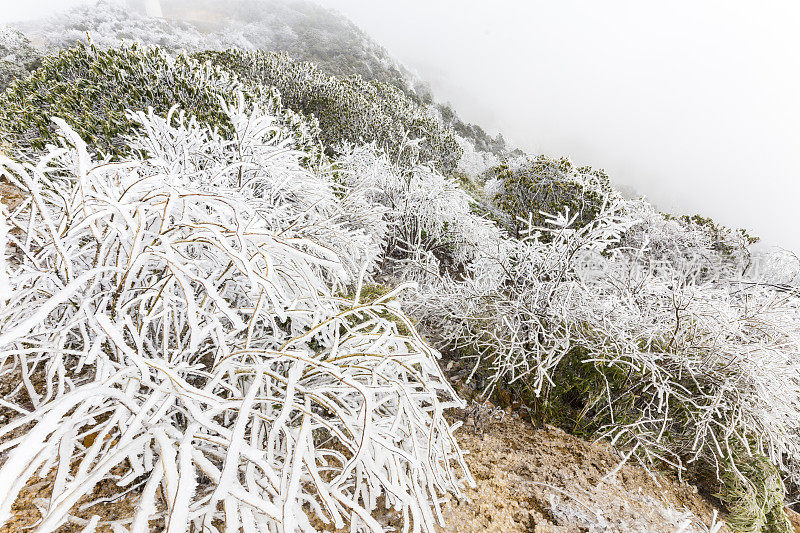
173, 324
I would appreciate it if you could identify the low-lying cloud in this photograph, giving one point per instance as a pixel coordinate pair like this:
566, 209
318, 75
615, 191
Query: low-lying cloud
692, 103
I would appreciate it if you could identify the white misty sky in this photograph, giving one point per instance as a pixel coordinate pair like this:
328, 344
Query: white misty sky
14, 10
692, 102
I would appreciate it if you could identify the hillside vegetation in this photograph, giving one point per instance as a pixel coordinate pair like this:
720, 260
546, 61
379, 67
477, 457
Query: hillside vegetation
229, 277
301, 29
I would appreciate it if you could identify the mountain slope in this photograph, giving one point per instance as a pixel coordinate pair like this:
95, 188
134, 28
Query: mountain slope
305, 31
228, 273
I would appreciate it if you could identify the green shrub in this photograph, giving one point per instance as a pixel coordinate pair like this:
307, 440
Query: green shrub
545, 185
349, 109
754, 496
91, 89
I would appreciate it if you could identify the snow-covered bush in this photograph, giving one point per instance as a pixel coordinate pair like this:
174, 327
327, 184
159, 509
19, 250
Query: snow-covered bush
474, 163
304, 30
349, 109
371, 99
432, 223
656, 355
667, 239
778, 267
541, 185
506, 308
716, 361
108, 22
92, 89
473, 133
627, 324
5, 287
18, 58
173, 324
173, 314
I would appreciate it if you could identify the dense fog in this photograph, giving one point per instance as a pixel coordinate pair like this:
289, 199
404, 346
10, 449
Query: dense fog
693, 104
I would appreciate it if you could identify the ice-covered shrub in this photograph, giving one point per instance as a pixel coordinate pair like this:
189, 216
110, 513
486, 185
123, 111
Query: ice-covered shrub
541, 185
109, 22
727, 242
474, 162
370, 99
349, 109
506, 308
432, 224
176, 319
667, 239
628, 324
5, 288
173, 327
666, 361
304, 30
778, 267
92, 89
473, 133
18, 57
696, 246
701, 369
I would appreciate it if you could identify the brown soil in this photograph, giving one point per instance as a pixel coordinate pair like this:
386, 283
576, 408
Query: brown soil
537, 480
104, 504
10, 196
545, 480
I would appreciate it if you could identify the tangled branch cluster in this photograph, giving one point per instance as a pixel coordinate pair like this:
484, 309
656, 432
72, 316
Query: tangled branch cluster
173, 325
666, 351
